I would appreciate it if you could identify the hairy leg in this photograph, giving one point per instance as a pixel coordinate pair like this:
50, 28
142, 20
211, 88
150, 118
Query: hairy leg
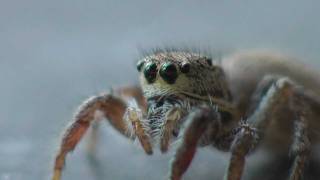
172, 118
244, 141
300, 147
276, 91
129, 94
112, 107
93, 139
134, 116
197, 123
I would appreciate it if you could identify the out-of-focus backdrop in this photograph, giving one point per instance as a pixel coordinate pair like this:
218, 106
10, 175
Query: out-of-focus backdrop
54, 54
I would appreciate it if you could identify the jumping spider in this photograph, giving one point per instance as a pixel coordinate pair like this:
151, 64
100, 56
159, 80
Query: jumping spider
232, 105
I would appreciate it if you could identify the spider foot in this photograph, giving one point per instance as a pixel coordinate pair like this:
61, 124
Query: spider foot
246, 139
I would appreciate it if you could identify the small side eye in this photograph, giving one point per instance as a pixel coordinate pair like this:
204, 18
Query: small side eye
140, 65
209, 61
185, 67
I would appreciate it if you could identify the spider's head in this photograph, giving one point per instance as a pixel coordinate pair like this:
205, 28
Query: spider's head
178, 79
180, 73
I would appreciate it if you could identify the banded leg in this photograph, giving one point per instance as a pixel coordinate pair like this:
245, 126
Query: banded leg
112, 108
197, 123
127, 93
276, 92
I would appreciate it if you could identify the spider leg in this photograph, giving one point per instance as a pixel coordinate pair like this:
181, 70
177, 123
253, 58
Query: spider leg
244, 141
196, 124
111, 106
300, 147
172, 117
93, 139
135, 93
136, 102
276, 92
137, 106
134, 115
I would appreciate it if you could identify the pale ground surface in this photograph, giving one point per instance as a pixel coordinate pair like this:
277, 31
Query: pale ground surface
54, 54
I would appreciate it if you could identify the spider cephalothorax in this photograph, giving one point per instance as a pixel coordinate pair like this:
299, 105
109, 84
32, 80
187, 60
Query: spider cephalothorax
231, 105
177, 80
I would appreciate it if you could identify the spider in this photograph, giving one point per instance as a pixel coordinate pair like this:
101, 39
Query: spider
232, 105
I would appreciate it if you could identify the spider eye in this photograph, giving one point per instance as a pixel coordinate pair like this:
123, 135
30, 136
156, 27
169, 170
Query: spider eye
185, 68
150, 72
169, 72
139, 65
209, 61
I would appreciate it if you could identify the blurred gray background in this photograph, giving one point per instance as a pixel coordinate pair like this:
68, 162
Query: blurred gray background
54, 54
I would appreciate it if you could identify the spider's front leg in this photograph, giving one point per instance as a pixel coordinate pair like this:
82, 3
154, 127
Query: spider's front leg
134, 115
196, 124
112, 107
273, 93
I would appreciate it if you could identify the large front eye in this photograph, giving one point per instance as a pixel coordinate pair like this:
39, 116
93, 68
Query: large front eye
150, 72
169, 72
